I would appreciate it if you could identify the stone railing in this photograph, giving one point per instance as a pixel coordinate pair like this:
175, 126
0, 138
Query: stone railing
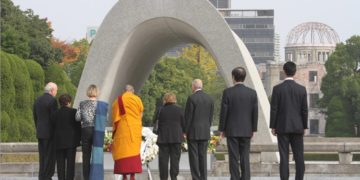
344, 167
259, 167
345, 150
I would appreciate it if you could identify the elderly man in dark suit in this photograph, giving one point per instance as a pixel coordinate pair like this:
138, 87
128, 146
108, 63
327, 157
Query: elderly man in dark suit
238, 122
43, 109
288, 121
198, 116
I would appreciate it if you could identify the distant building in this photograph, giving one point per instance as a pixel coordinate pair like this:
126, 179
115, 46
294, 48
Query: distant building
256, 29
277, 56
221, 3
308, 45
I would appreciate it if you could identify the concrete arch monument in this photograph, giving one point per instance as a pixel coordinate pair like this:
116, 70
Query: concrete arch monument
136, 33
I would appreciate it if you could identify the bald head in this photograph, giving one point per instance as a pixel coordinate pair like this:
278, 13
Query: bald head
196, 84
129, 88
51, 88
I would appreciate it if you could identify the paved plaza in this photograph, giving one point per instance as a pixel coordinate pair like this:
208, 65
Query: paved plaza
307, 177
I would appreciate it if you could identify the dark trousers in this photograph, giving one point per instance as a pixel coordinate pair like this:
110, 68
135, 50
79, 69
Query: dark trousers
197, 158
239, 149
65, 163
297, 145
87, 142
172, 150
46, 159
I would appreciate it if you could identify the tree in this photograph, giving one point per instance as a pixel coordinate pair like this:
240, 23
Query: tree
74, 69
55, 73
176, 74
17, 98
37, 77
27, 35
341, 88
214, 83
67, 51
169, 75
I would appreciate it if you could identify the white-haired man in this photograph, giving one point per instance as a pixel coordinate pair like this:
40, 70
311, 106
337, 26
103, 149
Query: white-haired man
43, 108
198, 116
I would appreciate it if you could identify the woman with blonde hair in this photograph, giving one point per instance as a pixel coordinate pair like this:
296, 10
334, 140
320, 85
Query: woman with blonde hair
170, 135
92, 115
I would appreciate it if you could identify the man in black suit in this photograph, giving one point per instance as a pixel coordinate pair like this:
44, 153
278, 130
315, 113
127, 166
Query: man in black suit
198, 116
238, 122
43, 109
288, 121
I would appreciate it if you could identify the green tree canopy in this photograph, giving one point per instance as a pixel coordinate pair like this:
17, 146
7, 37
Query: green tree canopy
22, 81
176, 74
341, 88
27, 35
17, 97
56, 74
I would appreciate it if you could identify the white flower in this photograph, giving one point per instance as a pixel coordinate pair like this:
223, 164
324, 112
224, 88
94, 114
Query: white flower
149, 148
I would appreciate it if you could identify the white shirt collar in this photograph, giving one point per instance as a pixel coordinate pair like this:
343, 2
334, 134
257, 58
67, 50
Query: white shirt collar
197, 90
238, 83
289, 78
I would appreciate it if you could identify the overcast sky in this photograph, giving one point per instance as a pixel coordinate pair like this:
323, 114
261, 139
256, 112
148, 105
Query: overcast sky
70, 18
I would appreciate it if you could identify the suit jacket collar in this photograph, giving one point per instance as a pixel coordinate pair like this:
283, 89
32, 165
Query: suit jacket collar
47, 94
198, 91
239, 85
169, 103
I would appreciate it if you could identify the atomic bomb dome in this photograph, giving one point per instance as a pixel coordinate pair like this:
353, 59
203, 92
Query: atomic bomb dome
312, 34
310, 42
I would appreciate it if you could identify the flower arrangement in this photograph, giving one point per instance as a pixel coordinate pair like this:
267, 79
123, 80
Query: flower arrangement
184, 146
149, 148
107, 141
212, 144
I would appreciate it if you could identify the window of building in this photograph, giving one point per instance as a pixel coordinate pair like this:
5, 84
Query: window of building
312, 76
314, 126
326, 56
289, 57
249, 26
282, 75
309, 57
314, 98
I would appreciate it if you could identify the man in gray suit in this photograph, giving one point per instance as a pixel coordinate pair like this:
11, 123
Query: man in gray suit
288, 121
198, 117
238, 122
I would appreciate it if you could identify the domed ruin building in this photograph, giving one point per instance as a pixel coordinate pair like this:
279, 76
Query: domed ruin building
310, 42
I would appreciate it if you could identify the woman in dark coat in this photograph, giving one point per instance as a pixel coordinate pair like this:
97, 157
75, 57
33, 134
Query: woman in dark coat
170, 135
67, 138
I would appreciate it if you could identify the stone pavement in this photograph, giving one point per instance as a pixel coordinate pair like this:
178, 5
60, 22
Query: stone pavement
308, 177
